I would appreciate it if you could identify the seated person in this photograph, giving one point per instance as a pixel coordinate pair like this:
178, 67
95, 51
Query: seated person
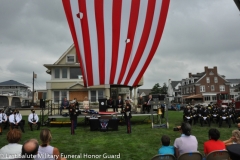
13, 147
235, 139
86, 104
29, 149
45, 149
213, 143
166, 149
186, 142
33, 120
15, 121
64, 105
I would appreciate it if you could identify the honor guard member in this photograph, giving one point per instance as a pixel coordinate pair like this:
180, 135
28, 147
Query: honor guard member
224, 116
214, 114
232, 113
188, 115
127, 115
4, 119
73, 117
33, 120
15, 121
205, 116
194, 115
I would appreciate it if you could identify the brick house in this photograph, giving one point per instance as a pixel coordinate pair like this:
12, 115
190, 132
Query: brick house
203, 87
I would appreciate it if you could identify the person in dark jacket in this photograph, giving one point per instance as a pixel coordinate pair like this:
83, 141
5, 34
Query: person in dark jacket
73, 113
127, 115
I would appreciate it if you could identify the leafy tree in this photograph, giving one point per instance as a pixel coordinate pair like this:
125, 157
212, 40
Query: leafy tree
156, 89
164, 89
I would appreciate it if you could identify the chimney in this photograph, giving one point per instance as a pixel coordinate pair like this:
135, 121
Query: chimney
189, 75
215, 70
206, 69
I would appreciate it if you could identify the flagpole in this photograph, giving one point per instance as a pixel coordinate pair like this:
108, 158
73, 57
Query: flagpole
33, 90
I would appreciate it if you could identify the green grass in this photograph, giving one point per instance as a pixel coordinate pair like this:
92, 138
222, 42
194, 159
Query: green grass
141, 144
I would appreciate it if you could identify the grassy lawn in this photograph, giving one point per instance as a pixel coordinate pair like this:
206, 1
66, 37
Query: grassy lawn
141, 144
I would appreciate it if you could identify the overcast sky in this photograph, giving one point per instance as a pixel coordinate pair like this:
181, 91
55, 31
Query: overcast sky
197, 33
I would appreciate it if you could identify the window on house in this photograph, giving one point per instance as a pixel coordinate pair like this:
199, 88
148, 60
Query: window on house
202, 88
192, 80
190, 89
64, 72
75, 72
187, 82
70, 59
183, 83
187, 90
207, 98
215, 79
208, 79
212, 88
93, 96
222, 88
214, 98
57, 72
100, 94
56, 95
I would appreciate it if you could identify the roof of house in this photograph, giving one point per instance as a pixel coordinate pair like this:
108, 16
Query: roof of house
233, 80
146, 91
12, 83
175, 83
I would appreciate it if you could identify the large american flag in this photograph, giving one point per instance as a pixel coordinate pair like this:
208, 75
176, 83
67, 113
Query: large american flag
115, 40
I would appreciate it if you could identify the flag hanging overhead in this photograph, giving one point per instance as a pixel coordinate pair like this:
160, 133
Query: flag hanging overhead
115, 40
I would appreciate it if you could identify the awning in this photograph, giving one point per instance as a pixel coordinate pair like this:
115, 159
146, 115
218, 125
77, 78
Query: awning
196, 96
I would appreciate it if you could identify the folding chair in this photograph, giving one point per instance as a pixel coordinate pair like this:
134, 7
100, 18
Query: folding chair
218, 155
163, 157
191, 156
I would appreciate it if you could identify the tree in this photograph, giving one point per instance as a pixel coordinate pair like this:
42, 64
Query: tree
164, 89
156, 89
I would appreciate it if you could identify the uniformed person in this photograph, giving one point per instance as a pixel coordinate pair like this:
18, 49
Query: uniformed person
33, 120
127, 115
73, 113
205, 116
224, 116
15, 121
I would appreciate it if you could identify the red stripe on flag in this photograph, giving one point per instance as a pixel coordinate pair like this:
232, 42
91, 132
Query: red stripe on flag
161, 23
68, 12
86, 43
116, 23
131, 34
144, 39
101, 40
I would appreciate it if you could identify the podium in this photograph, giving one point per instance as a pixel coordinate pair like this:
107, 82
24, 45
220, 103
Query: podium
102, 105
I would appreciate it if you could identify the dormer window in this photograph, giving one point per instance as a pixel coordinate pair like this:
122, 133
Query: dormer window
70, 59
192, 80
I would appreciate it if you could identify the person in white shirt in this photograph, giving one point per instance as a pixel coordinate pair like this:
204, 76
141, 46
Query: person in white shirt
12, 148
19, 115
15, 121
4, 119
33, 120
1, 122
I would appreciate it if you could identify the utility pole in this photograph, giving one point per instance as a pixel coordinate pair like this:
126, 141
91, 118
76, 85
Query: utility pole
34, 76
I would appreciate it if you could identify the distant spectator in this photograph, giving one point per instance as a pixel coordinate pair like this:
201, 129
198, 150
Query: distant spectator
45, 149
187, 142
166, 149
86, 104
235, 139
30, 149
64, 105
213, 143
12, 148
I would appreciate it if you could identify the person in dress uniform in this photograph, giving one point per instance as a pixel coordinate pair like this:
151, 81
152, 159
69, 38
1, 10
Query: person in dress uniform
188, 115
224, 116
33, 120
73, 113
127, 115
232, 113
205, 116
15, 121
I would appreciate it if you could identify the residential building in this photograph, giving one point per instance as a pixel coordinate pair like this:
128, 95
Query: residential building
234, 88
67, 81
175, 87
203, 87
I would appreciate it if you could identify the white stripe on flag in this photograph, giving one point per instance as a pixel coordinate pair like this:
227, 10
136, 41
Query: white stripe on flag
78, 29
148, 47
